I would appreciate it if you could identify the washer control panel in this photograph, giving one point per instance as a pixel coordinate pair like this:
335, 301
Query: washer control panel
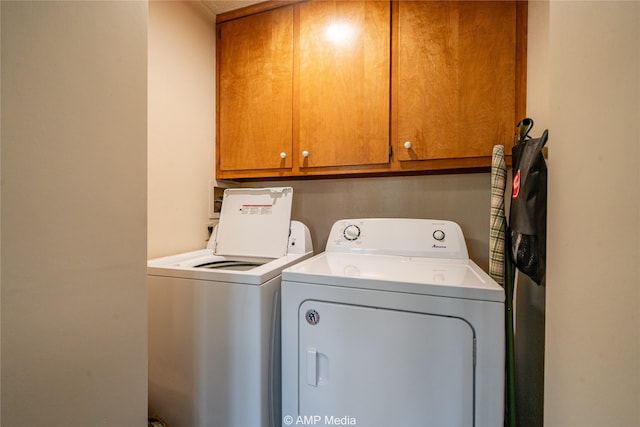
398, 236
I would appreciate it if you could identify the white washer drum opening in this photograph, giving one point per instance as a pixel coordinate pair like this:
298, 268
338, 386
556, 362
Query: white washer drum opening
230, 265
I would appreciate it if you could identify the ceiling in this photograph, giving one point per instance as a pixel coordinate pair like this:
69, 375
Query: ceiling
220, 6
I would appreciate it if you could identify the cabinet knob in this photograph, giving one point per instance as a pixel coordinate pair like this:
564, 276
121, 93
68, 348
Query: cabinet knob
305, 153
407, 145
283, 155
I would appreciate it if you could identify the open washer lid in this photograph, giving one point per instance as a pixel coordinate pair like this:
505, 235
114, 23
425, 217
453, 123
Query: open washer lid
254, 222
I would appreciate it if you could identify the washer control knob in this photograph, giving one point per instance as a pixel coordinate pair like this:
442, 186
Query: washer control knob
352, 232
438, 235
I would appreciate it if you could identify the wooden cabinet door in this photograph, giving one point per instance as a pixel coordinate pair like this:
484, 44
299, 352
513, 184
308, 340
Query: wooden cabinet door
256, 91
343, 81
456, 78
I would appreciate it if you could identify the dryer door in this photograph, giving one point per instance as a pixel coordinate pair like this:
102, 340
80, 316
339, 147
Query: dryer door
380, 367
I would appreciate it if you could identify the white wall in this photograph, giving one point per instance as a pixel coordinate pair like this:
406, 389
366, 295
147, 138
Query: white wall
592, 364
73, 152
181, 125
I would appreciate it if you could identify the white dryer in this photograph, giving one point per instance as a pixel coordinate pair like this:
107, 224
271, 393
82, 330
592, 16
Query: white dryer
393, 325
214, 319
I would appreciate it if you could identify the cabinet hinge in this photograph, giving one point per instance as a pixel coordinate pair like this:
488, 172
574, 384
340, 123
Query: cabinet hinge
390, 151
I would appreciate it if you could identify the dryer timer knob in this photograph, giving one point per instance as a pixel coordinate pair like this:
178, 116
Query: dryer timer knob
351, 232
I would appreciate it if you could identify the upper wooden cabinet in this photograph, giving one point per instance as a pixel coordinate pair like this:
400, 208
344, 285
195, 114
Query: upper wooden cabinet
455, 78
342, 87
255, 93
343, 79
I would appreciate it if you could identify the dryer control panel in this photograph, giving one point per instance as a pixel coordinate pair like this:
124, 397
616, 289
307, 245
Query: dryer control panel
425, 238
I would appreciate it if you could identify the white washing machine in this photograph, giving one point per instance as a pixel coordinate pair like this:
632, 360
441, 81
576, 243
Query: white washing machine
214, 319
393, 325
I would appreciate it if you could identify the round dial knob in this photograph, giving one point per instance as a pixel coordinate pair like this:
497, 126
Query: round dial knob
407, 145
283, 155
438, 235
352, 232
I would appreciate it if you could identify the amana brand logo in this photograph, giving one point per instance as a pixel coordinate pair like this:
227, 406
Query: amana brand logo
439, 246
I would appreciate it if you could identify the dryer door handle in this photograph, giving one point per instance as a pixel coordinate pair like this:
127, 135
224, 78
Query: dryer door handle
312, 367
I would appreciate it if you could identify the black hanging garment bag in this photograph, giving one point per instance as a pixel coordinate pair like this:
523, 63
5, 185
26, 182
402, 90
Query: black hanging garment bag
528, 213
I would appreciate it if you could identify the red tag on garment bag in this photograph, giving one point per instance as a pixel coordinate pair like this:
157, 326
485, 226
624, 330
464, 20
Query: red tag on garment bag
516, 185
